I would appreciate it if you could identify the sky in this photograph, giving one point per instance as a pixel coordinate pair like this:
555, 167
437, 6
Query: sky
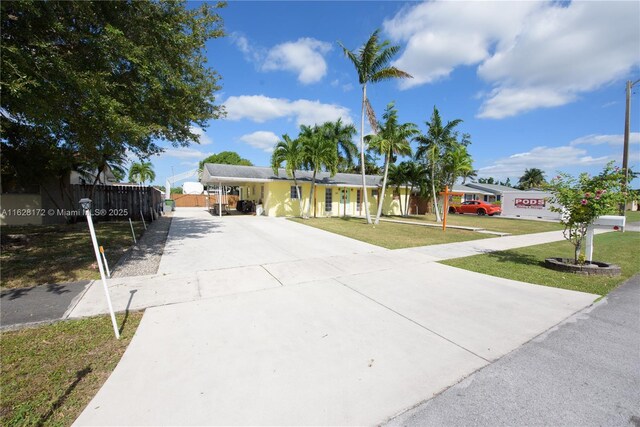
536, 84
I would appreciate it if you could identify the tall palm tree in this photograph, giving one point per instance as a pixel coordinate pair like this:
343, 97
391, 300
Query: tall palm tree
431, 145
371, 63
288, 151
391, 141
531, 178
342, 136
141, 172
457, 161
317, 153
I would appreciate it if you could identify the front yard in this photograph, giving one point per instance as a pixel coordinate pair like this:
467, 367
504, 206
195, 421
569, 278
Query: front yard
50, 373
38, 254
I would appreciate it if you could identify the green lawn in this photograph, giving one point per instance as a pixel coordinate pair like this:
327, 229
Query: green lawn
632, 216
50, 373
390, 235
526, 264
38, 254
491, 223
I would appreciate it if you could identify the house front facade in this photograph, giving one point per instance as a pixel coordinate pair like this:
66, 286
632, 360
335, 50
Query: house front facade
338, 195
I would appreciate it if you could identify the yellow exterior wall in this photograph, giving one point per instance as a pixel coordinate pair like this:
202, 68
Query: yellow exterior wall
278, 202
20, 209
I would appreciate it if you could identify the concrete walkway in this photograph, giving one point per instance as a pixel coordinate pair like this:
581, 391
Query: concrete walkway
262, 321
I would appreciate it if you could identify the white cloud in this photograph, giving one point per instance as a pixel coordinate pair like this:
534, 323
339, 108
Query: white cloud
264, 140
634, 138
534, 54
260, 108
303, 57
203, 137
251, 53
185, 153
549, 159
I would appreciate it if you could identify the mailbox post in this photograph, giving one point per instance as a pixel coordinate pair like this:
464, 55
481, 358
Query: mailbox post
604, 222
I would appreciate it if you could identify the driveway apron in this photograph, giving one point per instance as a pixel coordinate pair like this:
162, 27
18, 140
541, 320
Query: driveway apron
297, 326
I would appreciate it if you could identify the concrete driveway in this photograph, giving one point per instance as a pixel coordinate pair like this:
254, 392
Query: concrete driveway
289, 325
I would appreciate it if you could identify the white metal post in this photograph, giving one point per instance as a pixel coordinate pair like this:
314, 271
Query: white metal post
588, 250
94, 240
133, 233
143, 222
220, 199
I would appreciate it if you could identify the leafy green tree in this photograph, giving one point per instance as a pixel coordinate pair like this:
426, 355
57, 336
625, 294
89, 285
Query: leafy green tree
289, 152
430, 148
226, 158
392, 140
371, 63
532, 178
489, 180
342, 136
141, 172
100, 78
580, 201
317, 153
457, 162
175, 190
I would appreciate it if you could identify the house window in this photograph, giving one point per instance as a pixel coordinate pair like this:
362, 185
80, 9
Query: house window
262, 192
328, 201
359, 200
294, 194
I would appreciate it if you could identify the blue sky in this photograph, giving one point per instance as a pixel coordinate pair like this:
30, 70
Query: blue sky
537, 84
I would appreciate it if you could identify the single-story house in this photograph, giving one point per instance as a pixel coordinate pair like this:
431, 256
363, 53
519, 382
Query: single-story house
469, 193
494, 191
338, 195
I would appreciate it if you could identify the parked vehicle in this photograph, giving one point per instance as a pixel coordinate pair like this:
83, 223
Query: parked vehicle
477, 207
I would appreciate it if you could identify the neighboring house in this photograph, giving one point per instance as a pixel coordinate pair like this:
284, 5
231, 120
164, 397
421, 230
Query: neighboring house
470, 193
105, 177
337, 195
494, 191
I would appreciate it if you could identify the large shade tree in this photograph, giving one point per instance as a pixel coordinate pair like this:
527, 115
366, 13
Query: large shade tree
103, 78
371, 62
391, 141
226, 158
431, 147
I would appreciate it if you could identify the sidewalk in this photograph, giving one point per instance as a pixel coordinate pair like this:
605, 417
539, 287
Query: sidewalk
584, 372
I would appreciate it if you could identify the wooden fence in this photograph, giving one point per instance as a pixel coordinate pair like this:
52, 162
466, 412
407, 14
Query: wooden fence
120, 202
200, 200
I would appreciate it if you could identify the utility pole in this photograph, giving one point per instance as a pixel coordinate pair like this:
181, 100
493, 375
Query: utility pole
627, 120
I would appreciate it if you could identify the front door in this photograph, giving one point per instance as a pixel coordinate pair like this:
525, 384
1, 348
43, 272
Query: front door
345, 201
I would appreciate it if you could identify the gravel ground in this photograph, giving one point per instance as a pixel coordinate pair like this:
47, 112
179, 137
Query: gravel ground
144, 257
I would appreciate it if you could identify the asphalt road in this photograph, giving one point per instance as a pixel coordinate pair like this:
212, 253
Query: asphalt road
37, 304
585, 372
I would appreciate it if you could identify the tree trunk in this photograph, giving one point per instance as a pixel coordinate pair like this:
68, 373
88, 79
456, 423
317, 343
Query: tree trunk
384, 187
433, 187
312, 193
408, 200
295, 182
364, 182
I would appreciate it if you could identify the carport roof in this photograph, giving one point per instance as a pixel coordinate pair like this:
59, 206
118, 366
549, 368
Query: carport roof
215, 173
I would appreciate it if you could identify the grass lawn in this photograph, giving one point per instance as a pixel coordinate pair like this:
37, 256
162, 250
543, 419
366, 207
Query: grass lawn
526, 264
491, 223
50, 373
390, 235
37, 254
632, 216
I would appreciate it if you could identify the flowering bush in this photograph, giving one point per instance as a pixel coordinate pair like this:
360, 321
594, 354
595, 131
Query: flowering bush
582, 200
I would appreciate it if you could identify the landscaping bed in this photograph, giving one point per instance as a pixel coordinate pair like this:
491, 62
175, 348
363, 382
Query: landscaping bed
50, 373
38, 254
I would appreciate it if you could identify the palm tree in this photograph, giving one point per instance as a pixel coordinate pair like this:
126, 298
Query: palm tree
533, 177
141, 172
470, 174
431, 145
342, 136
371, 63
457, 162
393, 140
317, 153
288, 151
397, 178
